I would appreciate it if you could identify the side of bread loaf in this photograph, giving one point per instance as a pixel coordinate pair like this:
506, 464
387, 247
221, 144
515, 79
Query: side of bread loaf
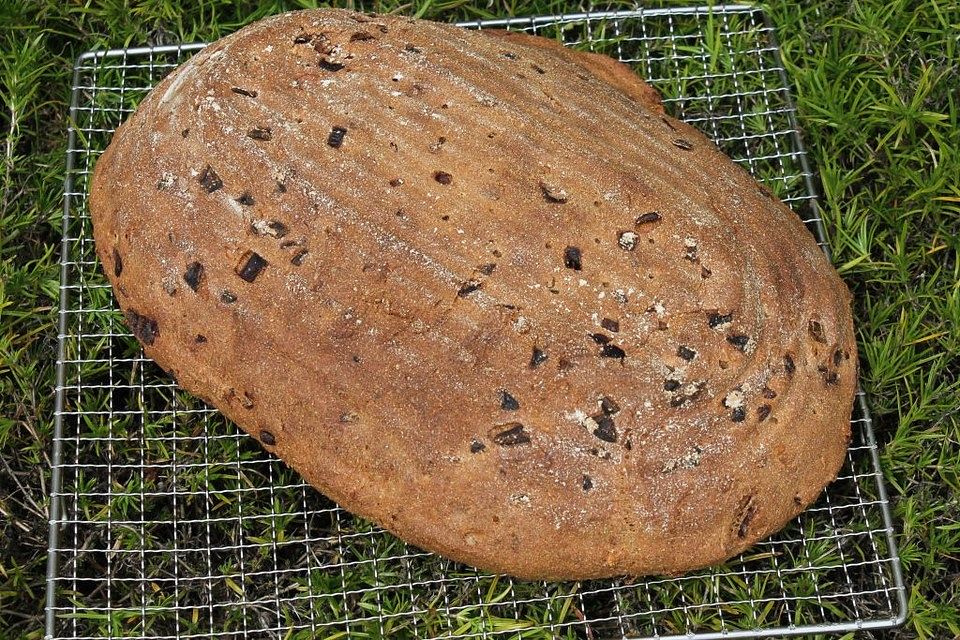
482, 291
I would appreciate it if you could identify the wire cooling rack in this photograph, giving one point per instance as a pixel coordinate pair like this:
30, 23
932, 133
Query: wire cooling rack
168, 522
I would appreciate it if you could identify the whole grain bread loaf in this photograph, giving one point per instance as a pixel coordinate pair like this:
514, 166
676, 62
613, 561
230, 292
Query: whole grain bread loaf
481, 290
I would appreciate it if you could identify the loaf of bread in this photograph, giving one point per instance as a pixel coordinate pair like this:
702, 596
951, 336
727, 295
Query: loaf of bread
481, 290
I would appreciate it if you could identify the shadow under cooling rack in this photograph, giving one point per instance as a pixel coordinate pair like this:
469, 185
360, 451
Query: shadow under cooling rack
167, 522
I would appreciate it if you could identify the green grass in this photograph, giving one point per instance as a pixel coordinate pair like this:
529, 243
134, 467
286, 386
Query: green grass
877, 85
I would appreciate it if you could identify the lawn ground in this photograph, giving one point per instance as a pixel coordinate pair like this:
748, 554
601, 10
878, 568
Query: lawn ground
877, 85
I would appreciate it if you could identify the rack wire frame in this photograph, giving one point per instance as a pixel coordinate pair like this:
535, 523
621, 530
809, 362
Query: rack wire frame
167, 522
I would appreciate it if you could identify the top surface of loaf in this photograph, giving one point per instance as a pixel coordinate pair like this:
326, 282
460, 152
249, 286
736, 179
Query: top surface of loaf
480, 290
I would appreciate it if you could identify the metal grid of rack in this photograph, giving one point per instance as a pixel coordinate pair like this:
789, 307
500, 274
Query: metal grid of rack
167, 522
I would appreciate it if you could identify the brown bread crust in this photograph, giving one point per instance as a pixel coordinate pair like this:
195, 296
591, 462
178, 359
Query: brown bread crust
479, 290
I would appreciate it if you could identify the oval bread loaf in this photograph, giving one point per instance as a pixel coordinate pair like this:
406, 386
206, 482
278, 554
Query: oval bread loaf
479, 289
